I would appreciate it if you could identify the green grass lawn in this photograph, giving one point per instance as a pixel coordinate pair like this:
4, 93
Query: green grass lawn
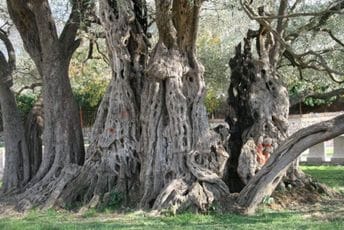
317, 217
264, 220
333, 176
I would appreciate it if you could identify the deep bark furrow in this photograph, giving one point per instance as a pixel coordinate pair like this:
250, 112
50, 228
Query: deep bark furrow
258, 111
112, 165
177, 180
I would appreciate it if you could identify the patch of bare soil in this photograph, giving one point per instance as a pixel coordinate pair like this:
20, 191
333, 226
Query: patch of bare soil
8, 211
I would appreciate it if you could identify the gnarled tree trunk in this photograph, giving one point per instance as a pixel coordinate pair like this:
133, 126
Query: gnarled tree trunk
258, 103
112, 164
266, 180
258, 111
179, 170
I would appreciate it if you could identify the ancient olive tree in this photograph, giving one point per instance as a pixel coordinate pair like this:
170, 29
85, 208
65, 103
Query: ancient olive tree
258, 103
151, 145
150, 142
112, 162
258, 100
181, 166
258, 108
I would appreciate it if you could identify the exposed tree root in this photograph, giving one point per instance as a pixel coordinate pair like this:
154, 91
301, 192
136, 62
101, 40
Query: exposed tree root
198, 192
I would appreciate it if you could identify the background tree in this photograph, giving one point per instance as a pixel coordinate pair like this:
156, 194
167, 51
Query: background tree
51, 54
17, 171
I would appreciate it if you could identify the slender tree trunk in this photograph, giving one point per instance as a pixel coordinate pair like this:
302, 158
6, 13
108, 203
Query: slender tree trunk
179, 170
16, 172
62, 137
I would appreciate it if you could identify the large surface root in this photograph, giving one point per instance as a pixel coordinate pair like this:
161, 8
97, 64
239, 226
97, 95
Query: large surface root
198, 192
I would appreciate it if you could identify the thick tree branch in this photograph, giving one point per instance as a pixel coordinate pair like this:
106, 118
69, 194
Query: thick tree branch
79, 13
266, 180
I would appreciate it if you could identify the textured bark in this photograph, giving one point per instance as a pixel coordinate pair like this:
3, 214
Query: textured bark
22, 141
33, 133
258, 104
112, 164
266, 180
62, 135
179, 170
16, 172
258, 111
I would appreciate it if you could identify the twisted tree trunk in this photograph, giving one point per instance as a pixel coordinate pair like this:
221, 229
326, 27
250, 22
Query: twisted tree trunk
266, 180
179, 170
258, 111
113, 165
258, 103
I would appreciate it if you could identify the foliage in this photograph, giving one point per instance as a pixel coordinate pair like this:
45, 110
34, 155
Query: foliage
89, 79
212, 101
25, 102
215, 46
312, 83
116, 200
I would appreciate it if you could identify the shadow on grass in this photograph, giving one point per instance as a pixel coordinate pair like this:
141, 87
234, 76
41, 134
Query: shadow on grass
285, 220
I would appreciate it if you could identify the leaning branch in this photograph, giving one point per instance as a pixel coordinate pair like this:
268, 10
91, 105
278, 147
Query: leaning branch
266, 180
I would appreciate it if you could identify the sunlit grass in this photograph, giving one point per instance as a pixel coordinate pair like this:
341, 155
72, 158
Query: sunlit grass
333, 176
63, 220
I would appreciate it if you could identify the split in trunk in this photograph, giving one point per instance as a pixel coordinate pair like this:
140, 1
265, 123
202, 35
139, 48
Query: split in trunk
62, 135
179, 168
